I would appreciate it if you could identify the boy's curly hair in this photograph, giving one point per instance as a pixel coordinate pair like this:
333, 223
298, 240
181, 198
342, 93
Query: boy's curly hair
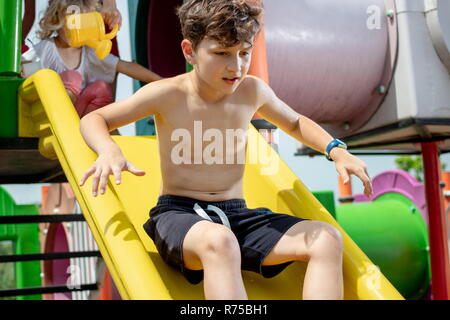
54, 16
227, 21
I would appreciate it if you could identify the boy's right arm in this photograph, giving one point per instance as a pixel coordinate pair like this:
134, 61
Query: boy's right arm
95, 128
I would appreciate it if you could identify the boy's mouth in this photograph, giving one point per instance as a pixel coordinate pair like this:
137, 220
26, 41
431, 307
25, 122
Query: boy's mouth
230, 80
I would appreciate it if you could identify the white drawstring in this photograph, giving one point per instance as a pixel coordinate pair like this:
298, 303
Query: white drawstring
199, 210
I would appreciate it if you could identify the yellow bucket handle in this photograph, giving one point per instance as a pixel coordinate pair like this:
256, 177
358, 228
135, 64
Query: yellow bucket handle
112, 34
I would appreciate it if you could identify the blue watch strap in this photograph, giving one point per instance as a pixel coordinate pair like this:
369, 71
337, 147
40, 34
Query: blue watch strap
335, 143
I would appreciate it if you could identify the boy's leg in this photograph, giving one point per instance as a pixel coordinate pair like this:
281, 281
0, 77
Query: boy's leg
215, 249
321, 245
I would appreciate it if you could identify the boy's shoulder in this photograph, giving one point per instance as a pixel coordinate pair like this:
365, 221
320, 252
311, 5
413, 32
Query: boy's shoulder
174, 86
252, 79
177, 82
166, 91
178, 87
254, 83
257, 88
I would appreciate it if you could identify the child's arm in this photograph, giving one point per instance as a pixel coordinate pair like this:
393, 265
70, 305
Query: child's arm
309, 133
111, 14
95, 128
137, 71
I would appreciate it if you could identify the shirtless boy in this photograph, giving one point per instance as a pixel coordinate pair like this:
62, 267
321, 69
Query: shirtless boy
201, 224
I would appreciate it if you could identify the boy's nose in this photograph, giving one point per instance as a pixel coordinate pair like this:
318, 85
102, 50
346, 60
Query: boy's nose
235, 65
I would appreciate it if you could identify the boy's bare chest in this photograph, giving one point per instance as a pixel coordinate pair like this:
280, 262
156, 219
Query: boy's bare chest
217, 117
210, 135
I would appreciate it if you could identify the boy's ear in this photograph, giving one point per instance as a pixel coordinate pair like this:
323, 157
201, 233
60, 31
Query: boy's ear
188, 51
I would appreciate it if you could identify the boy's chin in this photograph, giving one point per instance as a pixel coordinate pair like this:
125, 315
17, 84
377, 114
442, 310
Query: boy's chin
230, 87
229, 90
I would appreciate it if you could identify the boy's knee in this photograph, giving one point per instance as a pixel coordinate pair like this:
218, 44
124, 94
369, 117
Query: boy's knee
220, 241
326, 241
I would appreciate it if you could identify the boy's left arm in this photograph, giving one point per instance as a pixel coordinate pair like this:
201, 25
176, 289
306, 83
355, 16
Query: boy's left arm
305, 130
136, 71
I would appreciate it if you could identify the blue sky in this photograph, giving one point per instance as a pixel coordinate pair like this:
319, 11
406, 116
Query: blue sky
317, 173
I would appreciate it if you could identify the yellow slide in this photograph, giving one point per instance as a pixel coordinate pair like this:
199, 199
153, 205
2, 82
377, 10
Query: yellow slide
116, 218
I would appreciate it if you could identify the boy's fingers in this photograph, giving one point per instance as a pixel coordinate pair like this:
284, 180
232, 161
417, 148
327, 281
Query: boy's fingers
86, 175
117, 175
95, 180
370, 189
367, 174
362, 175
104, 181
131, 168
344, 175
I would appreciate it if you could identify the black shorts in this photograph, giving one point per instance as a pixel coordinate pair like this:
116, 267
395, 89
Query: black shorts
257, 231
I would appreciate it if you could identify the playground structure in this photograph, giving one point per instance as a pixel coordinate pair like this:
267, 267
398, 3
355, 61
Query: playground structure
116, 220
23, 239
401, 243
396, 56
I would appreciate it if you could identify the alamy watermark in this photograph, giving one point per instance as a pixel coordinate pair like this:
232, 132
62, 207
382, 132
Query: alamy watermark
74, 280
373, 277
223, 148
373, 21
75, 20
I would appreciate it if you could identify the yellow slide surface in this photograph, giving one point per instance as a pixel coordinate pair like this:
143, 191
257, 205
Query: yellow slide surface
116, 218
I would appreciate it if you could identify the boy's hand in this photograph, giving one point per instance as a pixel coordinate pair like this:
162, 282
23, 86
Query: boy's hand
105, 166
347, 164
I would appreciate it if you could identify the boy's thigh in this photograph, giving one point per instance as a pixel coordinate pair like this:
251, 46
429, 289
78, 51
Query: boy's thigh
296, 242
168, 231
198, 238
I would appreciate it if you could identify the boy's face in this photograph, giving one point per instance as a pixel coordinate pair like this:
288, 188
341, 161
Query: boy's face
223, 69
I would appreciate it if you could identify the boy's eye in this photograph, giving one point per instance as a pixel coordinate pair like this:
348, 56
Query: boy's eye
244, 53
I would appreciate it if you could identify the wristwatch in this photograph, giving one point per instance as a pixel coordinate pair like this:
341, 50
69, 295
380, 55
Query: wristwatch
335, 143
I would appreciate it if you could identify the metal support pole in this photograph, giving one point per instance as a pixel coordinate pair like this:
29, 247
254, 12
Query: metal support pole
437, 226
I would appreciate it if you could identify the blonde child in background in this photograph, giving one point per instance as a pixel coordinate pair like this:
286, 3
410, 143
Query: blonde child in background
87, 79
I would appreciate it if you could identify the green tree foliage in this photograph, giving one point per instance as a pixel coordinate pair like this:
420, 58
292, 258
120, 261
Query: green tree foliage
413, 165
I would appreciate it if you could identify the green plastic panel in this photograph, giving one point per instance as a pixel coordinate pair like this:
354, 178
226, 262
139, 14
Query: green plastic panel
393, 234
25, 238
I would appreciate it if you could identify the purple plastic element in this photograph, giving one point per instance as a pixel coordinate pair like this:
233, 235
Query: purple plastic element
401, 182
59, 268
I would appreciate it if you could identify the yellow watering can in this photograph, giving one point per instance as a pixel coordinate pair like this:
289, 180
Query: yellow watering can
88, 29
